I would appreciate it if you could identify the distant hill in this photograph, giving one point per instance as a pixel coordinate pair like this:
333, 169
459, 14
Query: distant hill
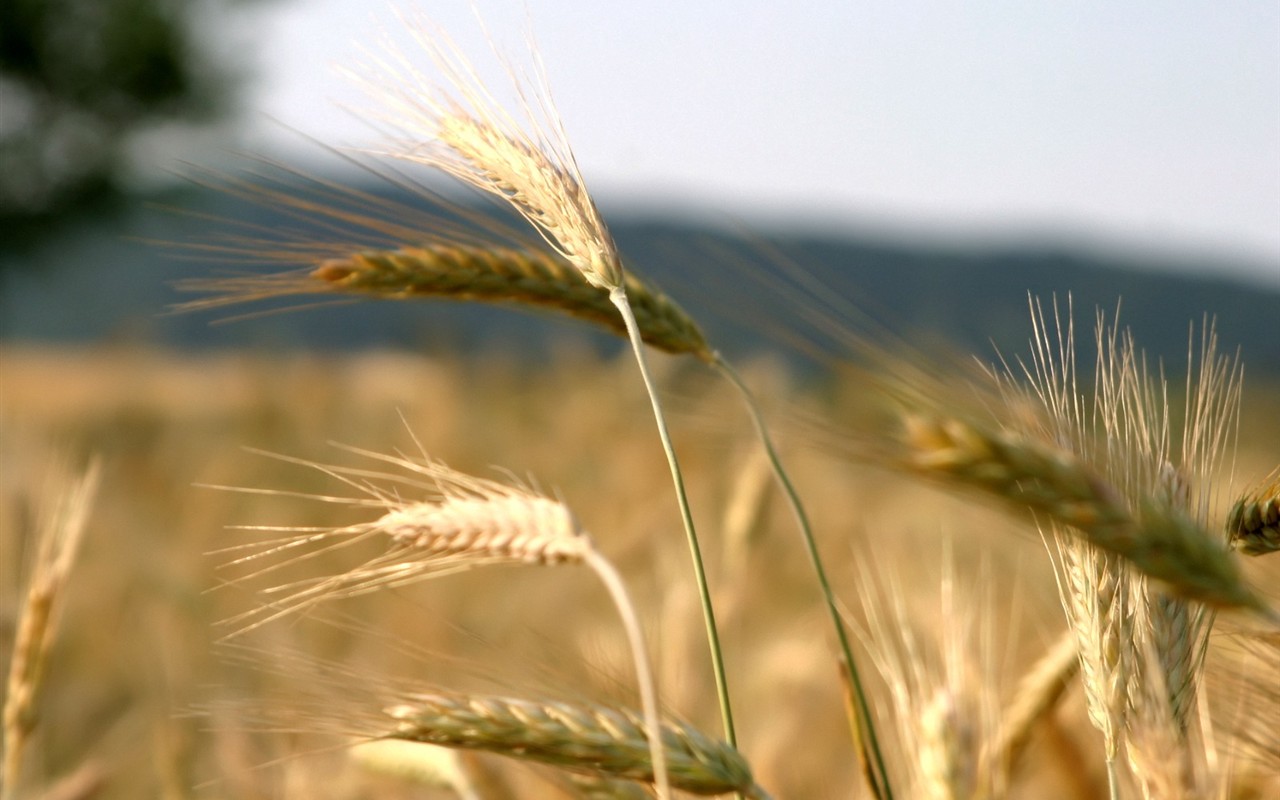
103, 284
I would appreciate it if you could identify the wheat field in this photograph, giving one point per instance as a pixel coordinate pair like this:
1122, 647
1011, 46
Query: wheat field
140, 698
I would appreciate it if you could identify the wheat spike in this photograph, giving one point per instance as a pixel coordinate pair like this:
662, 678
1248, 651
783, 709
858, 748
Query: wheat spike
1037, 695
942, 691
498, 274
1094, 588
465, 522
1158, 540
589, 739
523, 160
420, 256
1254, 520
1141, 641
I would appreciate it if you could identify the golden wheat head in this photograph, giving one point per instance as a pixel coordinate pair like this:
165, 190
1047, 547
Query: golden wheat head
585, 738
523, 160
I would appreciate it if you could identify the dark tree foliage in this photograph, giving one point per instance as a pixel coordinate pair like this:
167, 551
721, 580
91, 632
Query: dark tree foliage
78, 78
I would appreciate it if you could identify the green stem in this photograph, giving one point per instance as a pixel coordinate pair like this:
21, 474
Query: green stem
864, 732
618, 296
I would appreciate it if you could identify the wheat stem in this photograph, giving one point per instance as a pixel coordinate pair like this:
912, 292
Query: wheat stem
618, 296
862, 725
640, 653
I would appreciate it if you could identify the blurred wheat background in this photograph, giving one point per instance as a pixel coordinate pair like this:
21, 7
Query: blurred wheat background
136, 658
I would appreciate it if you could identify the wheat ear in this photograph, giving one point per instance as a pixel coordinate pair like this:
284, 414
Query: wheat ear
1254, 520
941, 690
1141, 645
591, 739
1037, 695
477, 273
1158, 540
59, 543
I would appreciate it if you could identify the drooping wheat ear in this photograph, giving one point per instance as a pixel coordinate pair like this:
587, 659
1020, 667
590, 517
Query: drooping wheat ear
62, 528
1158, 540
1254, 521
490, 274
464, 522
1037, 695
590, 739
523, 159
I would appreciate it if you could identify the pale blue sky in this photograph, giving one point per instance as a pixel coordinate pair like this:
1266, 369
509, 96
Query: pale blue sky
1154, 125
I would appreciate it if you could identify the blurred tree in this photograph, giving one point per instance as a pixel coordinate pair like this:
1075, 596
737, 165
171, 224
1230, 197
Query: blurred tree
78, 80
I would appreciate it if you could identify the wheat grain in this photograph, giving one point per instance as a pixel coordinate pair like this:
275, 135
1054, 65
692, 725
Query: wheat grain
421, 764
595, 787
591, 739
1253, 523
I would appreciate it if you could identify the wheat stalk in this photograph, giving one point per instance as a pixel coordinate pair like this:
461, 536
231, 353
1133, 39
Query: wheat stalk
591, 739
1253, 523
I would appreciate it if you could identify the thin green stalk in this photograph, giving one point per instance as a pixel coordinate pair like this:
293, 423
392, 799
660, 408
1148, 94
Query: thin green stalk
864, 728
618, 296
644, 673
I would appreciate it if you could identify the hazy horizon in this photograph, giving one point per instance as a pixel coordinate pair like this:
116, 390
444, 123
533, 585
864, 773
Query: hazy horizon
1139, 129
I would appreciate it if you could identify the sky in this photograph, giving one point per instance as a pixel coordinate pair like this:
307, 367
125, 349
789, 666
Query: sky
1147, 126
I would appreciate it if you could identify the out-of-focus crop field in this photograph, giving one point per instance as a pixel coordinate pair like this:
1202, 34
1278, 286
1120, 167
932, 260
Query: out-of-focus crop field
141, 700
